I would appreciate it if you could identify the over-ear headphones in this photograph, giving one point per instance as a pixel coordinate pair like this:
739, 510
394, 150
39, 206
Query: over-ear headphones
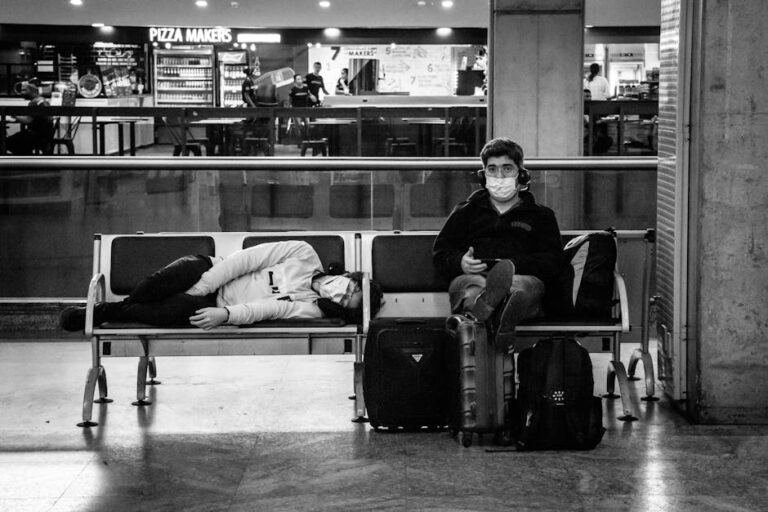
523, 178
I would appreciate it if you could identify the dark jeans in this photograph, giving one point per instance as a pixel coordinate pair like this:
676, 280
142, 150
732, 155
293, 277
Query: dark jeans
159, 299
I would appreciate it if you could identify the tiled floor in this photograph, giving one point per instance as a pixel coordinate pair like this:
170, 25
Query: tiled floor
273, 433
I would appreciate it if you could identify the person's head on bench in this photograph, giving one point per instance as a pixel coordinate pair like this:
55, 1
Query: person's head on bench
341, 294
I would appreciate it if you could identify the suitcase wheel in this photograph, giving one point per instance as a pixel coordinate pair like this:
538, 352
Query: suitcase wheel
375, 425
466, 440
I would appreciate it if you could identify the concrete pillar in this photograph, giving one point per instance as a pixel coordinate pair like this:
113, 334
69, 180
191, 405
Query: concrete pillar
729, 193
535, 86
536, 52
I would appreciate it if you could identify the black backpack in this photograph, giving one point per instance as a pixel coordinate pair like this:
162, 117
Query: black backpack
593, 261
555, 406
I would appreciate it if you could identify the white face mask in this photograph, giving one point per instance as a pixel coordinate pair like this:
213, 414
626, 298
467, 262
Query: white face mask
333, 287
501, 189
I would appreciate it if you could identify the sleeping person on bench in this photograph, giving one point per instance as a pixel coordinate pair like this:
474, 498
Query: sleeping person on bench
270, 281
500, 249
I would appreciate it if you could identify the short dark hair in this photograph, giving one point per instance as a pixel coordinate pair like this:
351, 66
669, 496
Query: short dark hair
316, 63
502, 146
297, 74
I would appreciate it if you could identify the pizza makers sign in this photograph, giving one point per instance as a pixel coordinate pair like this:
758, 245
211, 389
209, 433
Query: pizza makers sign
190, 35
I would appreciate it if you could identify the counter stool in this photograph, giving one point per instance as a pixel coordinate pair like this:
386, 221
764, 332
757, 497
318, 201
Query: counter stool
192, 147
317, 145
399, 146
252, 145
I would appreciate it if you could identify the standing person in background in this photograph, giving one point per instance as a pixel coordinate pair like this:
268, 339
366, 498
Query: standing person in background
342, 84
249, 89
596, 84
316, 84
300, 94
39, 129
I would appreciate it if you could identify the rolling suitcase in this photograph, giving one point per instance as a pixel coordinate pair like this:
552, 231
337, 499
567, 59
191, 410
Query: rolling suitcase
404, 373
483, 381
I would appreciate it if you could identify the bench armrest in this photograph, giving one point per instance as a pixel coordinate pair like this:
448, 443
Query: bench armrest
621, 288
366, 301
96, 294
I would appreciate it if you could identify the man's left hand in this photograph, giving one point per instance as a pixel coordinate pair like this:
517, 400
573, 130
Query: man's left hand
208, 318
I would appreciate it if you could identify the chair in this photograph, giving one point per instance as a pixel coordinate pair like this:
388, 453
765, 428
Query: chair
68, 138
318, 145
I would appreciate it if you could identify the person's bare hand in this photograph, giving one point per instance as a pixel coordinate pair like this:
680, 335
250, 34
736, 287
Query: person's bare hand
470, 265
208, 318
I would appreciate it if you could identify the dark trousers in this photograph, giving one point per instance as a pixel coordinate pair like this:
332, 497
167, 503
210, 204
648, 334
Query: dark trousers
159, 299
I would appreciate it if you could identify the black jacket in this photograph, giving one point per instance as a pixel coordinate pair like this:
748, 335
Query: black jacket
527, 234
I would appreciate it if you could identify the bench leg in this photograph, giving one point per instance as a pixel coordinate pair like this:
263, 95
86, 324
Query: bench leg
650, 378
152, 366
359, 399
358, 382
90, 387
616, 371
141, 383
102, 379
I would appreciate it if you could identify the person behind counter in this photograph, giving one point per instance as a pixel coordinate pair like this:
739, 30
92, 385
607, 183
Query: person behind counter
596, 84
315, 83
37, 131
342, 84
300, 94
248, 88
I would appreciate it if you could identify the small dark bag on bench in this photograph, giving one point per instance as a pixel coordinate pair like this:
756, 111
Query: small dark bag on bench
593, 260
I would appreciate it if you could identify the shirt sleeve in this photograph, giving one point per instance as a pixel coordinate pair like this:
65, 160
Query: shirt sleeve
271, 309
251, 260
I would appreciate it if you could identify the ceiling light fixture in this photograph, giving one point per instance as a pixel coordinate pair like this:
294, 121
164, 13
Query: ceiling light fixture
332, 32
324, 4
444, 31
201, 3
97, 25
421, 3
76, 2
107, 28
447, 4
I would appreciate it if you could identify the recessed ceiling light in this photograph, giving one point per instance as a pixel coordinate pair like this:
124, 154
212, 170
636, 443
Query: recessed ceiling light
332, 32
392, 45
444, 31
97, 25
309, 45
107, 28
324, 4
318, 45
201, 3
421, 3
447, 4
76, 2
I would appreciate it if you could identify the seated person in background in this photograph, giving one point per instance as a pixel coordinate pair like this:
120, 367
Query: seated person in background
37, 131
500, 249
280, 280
300, 95
342, 84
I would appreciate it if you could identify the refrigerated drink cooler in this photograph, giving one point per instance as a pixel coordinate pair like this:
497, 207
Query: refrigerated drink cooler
185, 77
231, 69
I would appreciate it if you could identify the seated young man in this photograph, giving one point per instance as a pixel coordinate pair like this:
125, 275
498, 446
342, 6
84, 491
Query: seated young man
280, 280
499, 247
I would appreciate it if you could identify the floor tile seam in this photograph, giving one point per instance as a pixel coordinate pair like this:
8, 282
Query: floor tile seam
74, 479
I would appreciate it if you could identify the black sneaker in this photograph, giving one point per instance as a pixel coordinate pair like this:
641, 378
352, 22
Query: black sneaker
72, 319
497, 285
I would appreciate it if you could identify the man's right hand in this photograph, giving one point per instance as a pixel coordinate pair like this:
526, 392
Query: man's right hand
470, 265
